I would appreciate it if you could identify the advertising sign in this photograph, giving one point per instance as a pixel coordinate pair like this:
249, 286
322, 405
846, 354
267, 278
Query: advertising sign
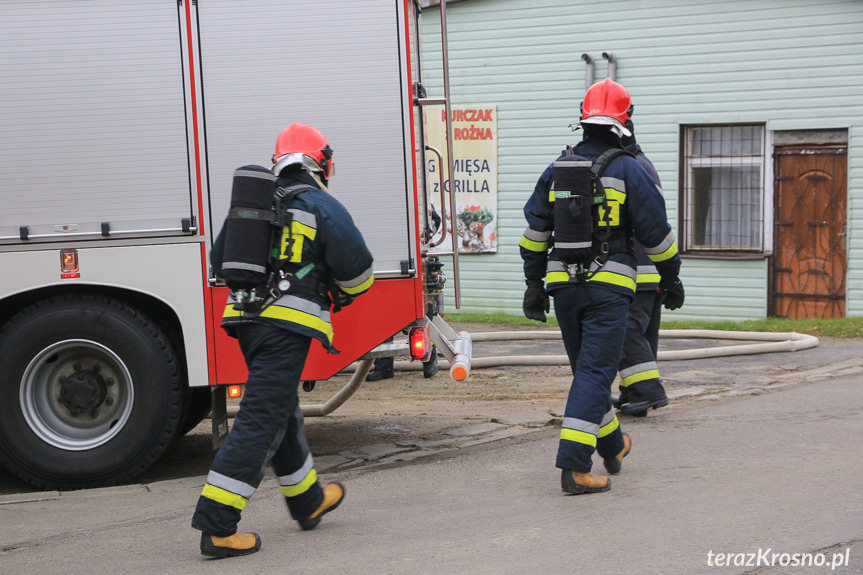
474, 177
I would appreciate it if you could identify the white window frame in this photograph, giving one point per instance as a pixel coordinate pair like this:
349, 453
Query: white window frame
690, 162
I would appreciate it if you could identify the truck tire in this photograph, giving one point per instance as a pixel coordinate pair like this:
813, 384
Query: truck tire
90, 393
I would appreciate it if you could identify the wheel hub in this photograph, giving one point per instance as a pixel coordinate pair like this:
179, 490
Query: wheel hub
83, 391
76, 394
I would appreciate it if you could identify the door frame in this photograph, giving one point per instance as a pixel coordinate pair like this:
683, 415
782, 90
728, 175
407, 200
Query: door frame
836, 139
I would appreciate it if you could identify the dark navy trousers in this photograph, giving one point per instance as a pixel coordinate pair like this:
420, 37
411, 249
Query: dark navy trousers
268, 428
639, 371
593, 325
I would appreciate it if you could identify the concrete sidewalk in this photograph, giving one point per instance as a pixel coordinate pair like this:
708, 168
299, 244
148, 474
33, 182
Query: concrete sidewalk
778, 471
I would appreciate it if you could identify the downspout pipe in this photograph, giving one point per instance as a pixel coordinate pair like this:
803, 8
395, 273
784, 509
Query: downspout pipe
612, 64
588, 70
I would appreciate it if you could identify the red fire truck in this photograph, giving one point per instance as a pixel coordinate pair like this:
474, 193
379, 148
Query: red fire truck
121, 124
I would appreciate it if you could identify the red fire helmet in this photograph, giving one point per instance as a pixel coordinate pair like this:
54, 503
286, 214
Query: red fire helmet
606, 102
301, 143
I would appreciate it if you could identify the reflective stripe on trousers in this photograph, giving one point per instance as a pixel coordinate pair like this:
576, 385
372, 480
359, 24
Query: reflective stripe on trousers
592, 322
639, 372
268, 428
297, 483
638, 360
586, 433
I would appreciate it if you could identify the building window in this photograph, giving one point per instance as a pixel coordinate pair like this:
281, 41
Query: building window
723, 199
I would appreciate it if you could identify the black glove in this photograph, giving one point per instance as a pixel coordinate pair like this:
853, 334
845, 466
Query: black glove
672, 292
339, 298
536, 303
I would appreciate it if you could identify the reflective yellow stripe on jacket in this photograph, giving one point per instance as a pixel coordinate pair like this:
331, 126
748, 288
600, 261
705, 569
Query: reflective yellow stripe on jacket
666, 249
535, 241
556, 272
359, 284
647, 275
614, 273
290, 309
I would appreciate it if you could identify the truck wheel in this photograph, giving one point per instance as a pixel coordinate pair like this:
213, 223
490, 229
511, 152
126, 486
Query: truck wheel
89, 392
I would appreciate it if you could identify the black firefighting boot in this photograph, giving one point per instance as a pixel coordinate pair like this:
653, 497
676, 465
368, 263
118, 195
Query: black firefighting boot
383, 369
430, 366
575, 483
613, 464
231, 546
637, 398
334, 494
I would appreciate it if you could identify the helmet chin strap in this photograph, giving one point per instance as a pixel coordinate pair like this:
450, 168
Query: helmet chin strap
320, 180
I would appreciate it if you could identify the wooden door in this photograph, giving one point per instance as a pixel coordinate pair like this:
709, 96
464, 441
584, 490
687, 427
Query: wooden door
809, 261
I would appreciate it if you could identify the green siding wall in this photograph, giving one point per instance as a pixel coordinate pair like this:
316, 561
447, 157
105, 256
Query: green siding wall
789, 64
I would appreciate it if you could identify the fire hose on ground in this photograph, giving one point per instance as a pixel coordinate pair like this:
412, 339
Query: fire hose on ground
770, 343
767, 342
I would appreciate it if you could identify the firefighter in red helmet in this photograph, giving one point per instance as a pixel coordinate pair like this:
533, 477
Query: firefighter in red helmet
275, 340
586, 208
640, 383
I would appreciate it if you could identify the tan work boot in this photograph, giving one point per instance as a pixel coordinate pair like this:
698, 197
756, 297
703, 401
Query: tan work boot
230, 546
613, 464
334, 493
576, 483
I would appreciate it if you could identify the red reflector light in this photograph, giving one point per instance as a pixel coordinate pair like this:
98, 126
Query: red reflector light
69, 264
235, 391
419, 342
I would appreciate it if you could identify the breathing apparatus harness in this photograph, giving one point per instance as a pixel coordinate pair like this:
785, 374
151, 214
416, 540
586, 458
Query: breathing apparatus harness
253, 267
580, 204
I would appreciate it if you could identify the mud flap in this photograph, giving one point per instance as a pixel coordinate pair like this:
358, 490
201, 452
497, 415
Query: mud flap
219, 415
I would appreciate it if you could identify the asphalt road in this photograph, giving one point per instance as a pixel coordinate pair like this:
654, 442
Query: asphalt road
411, 408
766, 468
